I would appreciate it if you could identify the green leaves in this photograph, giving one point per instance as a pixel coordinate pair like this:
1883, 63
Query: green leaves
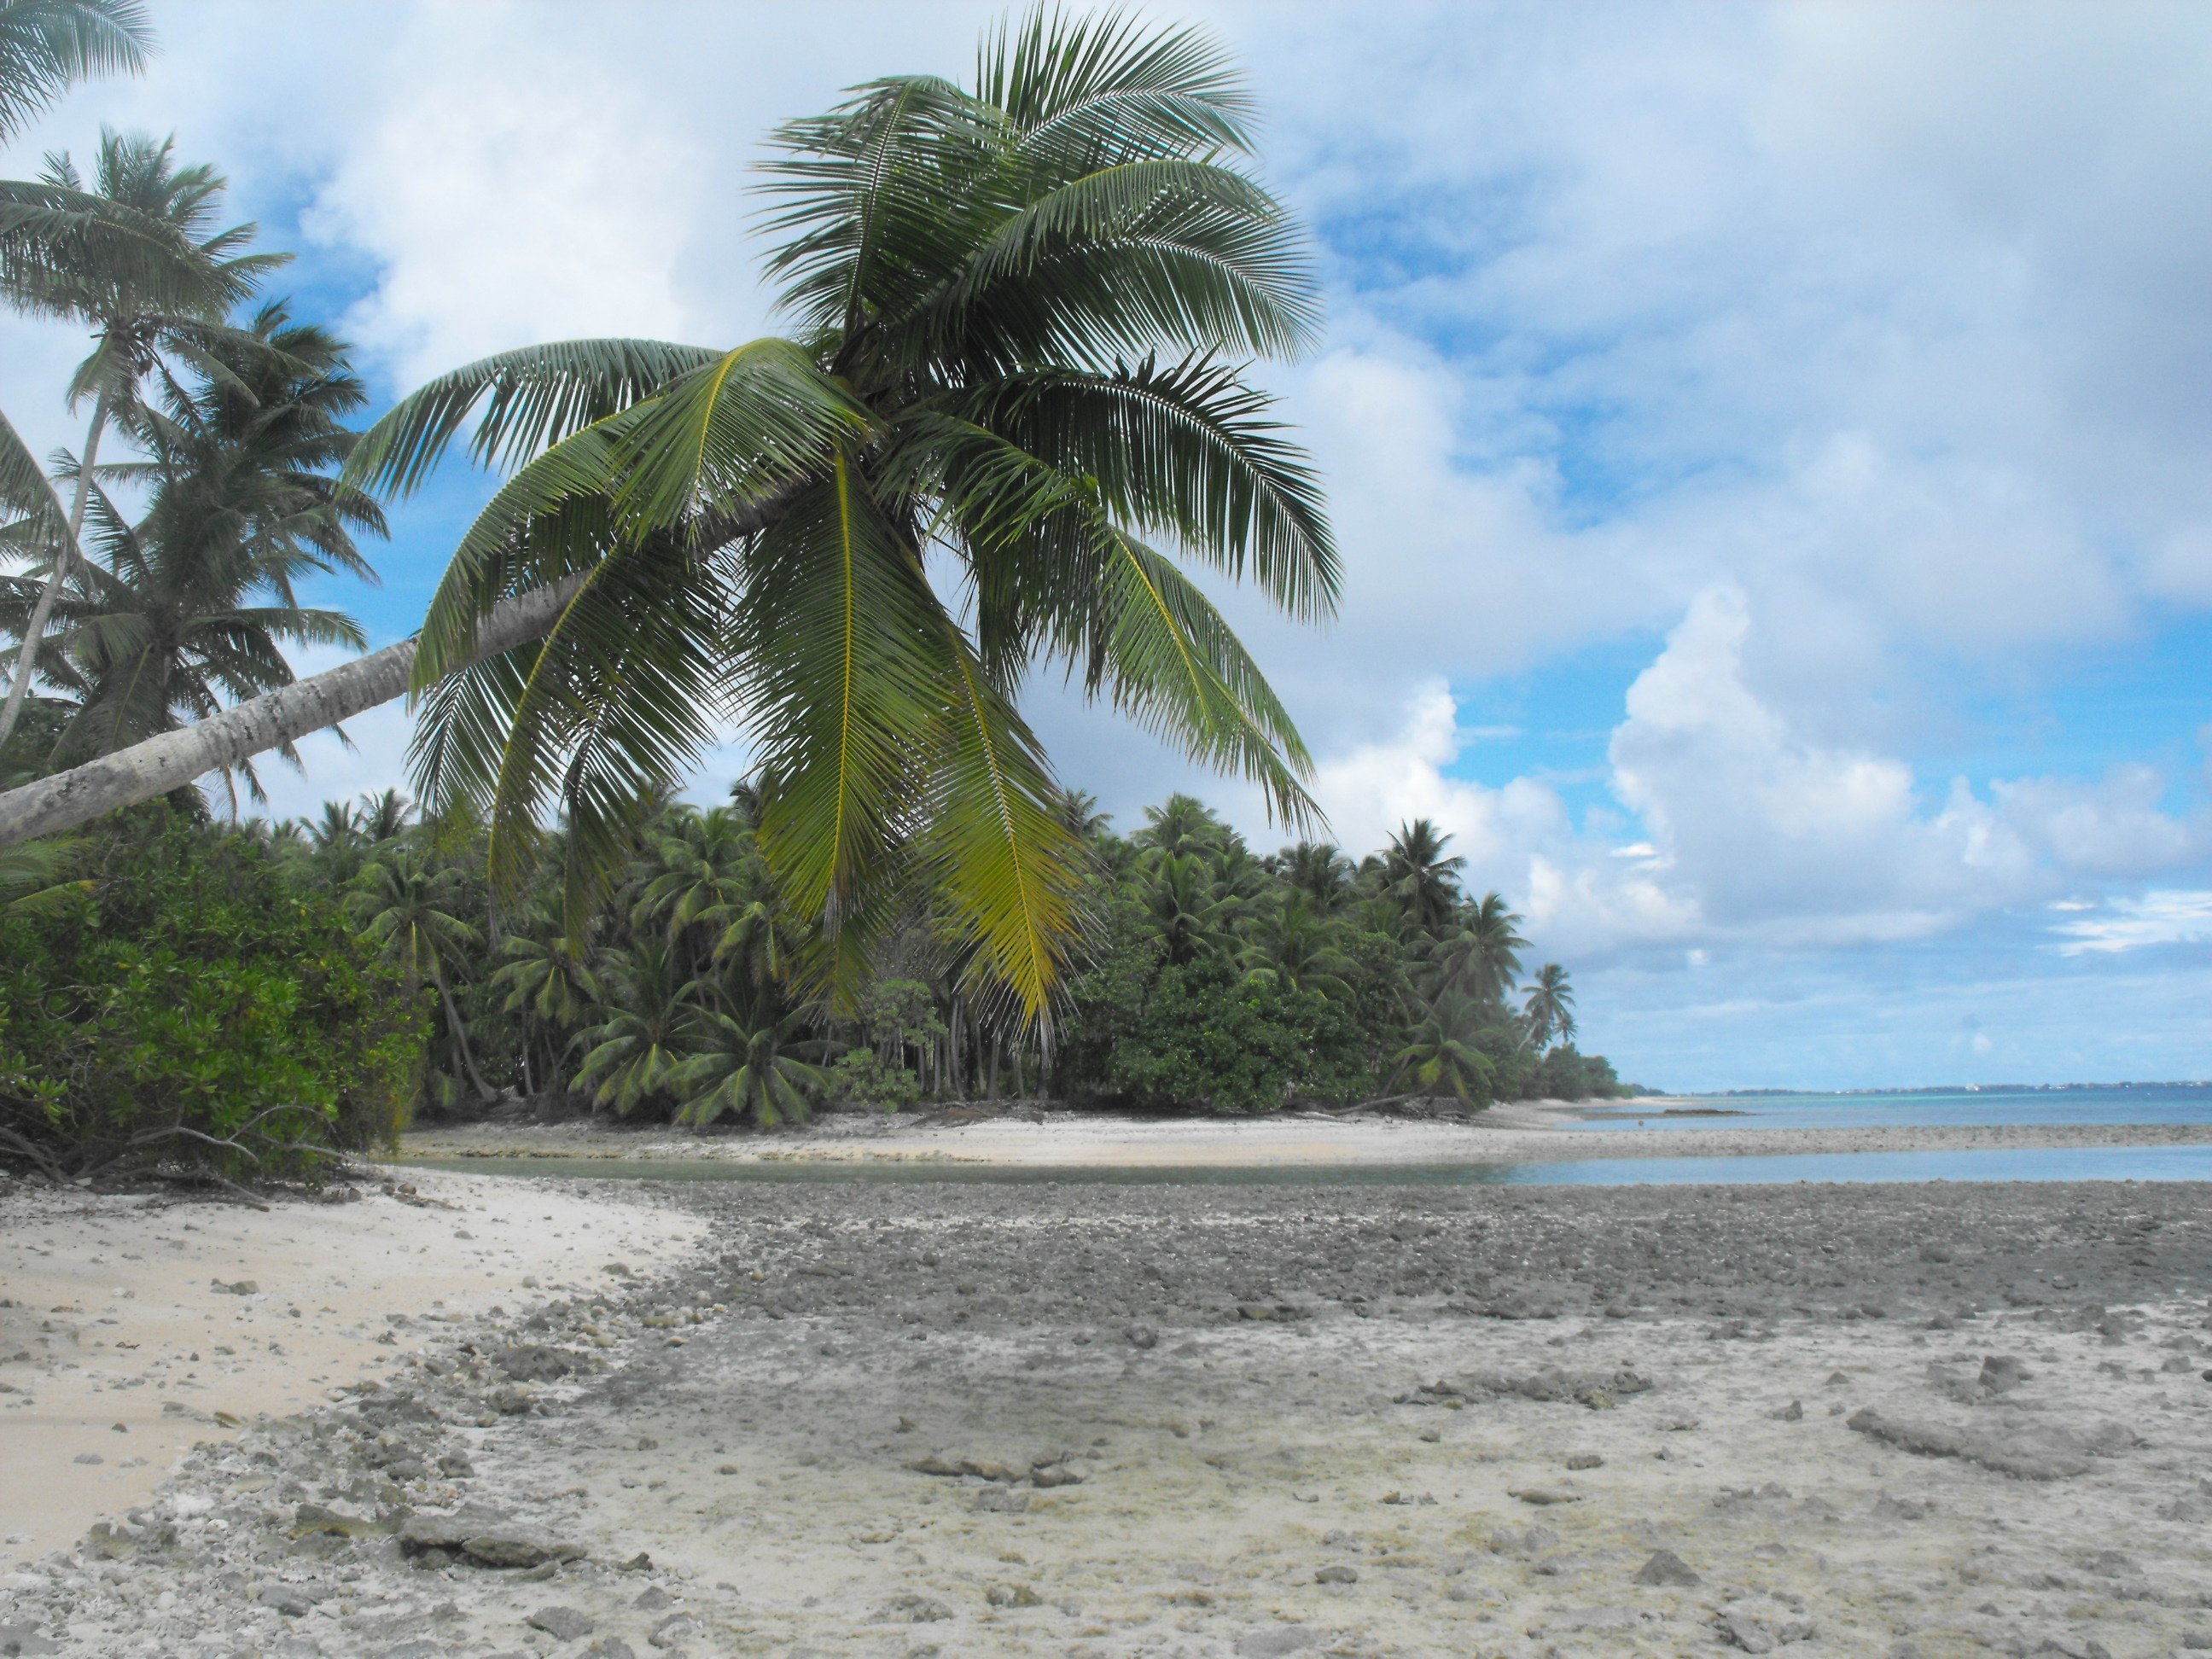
531, 397
47, 46
851, 545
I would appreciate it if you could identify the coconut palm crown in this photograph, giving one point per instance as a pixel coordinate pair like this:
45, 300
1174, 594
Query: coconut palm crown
1012, 401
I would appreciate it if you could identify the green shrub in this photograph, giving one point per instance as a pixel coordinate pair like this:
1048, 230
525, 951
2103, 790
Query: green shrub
193, 1010
1211, 1037
861, 1078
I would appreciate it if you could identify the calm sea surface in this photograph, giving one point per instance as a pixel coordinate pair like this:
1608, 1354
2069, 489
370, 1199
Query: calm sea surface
2028, 1163
2147, 1103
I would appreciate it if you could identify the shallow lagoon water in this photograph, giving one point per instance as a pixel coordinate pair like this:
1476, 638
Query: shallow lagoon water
2021, 1164
2142, 1103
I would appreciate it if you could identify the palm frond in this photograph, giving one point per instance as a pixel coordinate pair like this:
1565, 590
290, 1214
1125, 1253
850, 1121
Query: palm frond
531, 398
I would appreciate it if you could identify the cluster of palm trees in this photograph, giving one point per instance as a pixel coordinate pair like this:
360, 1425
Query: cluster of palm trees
687, 1000
1392, 933
157, 568
1012, 404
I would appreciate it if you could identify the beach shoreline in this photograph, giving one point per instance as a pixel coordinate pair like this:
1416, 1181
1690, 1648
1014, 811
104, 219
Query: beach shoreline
1017, 1135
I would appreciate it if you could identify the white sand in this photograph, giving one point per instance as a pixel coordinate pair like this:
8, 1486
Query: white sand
1521, 1133
112, 1319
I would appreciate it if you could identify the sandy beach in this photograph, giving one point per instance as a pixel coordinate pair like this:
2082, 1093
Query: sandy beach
1113, 1420
1022, 1135
133, 1326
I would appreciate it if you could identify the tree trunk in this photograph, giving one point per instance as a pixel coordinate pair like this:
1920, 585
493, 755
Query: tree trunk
460, 1031
174, 758
27, 657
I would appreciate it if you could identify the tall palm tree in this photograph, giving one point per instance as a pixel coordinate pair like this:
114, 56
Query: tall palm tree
408, 908
1019, 310
138, 260
47, 46
189, 604
1550, 1007
1193, 917
1318, 870
1418, 874
385, 816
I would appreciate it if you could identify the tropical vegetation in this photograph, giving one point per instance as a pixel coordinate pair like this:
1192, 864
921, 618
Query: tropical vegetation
1012, 408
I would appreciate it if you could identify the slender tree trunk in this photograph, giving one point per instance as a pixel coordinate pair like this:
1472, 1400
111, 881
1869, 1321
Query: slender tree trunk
460, 1031
174, 758
28, 656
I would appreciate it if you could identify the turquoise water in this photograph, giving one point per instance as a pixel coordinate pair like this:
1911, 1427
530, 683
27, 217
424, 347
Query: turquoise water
2026, 1163
2147, 1103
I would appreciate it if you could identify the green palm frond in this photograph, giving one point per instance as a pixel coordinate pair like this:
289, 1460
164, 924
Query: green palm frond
47, 46
531, 398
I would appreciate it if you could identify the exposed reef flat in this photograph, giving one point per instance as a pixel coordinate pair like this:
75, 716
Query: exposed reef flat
1111, 1420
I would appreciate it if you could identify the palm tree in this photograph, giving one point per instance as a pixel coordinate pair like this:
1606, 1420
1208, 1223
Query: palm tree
164, 623
137, 260
47, 46
1420, 877
1191, 915
741, 1069
1318, 870
1442, 1051
1019, 310
407, 906
1550, 1008
384, 817
642, 1036
699, 869
547, 979
1300, 943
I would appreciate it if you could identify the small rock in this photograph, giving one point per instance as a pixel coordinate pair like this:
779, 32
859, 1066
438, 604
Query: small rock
997, 1500
1665, 1568
286, 1600
1542, 1498
1337, 1575
609, 1647
673, 1631
562, 1623
652, 1598
2001, 1373
1013, 1595
1792, 1412
88, 1457
1585, 1460
1142, 1336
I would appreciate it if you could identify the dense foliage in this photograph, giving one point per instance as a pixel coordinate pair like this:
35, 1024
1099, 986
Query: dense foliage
1215, 980
170, 997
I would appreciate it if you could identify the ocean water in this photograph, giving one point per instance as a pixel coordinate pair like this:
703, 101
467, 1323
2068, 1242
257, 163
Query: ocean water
2138, 1104
2026, 1163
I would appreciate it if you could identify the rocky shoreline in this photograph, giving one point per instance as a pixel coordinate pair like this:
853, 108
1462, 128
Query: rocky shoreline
1111, 1420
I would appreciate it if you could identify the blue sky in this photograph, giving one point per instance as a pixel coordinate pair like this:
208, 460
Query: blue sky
1767, 444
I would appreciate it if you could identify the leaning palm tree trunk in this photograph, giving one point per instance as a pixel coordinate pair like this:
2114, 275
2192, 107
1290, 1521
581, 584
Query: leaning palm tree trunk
174, 758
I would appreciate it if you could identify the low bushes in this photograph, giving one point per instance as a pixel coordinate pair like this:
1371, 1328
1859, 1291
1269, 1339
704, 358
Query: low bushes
180, 1006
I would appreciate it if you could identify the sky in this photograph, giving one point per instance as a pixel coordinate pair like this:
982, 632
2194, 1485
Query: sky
1766, 444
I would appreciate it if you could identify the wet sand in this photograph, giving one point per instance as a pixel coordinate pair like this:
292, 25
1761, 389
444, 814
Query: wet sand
1113, 1420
